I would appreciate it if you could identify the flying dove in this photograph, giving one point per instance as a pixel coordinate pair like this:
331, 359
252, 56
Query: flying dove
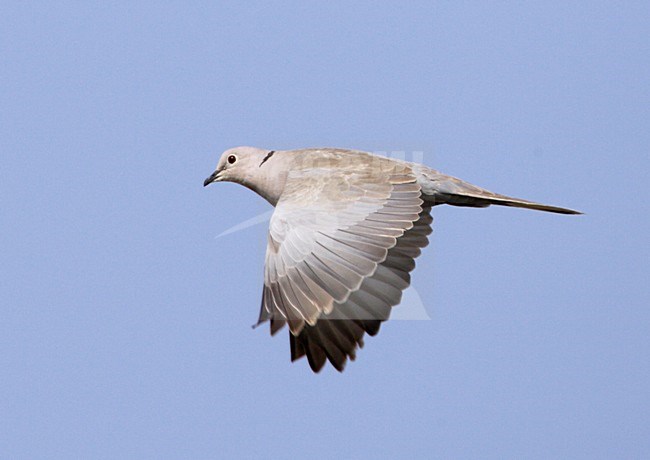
343, 238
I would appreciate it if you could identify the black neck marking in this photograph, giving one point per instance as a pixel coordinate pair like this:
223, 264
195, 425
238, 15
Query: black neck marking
268, 155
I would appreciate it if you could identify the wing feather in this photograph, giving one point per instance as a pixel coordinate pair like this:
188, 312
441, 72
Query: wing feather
366, 308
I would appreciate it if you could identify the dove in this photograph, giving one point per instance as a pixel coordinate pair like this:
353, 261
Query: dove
343, 238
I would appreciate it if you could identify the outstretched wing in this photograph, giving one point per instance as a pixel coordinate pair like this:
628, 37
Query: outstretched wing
329, 237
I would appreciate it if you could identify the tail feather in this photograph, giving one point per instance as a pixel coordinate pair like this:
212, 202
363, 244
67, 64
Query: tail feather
439, 188
480, 201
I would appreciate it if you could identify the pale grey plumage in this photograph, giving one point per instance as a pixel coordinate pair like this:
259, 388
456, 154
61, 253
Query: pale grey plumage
342, 241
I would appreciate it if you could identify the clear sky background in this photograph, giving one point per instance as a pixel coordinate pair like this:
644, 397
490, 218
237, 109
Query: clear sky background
125, 323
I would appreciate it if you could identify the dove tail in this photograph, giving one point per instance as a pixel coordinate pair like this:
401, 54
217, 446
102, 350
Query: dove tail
481, 201
442, 189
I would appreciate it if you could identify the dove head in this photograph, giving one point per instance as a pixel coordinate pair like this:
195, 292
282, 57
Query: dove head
248, 166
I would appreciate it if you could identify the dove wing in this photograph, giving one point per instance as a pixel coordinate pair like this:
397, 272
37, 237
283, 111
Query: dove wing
329, 239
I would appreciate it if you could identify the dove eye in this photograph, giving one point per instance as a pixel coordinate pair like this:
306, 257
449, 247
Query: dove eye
232, 159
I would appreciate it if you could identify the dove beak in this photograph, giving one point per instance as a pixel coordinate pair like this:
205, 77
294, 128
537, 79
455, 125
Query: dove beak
214, 177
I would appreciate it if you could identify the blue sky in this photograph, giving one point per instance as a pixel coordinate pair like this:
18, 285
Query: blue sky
125, 323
